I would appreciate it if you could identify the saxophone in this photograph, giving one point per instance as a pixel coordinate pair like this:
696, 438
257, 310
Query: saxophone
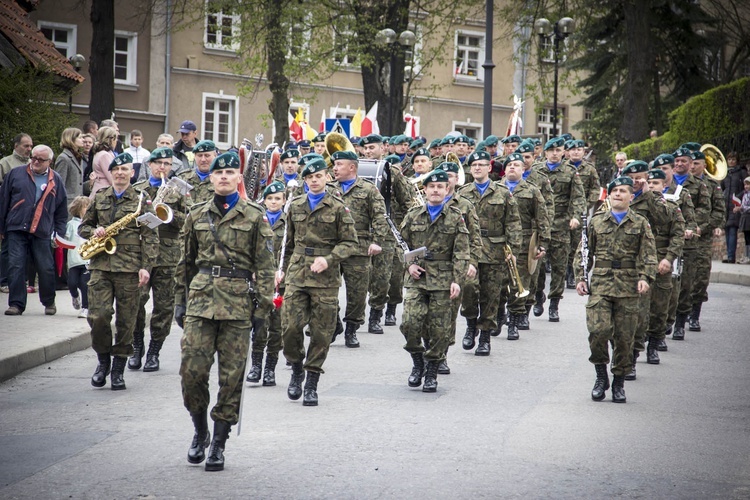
161, 209
96, 245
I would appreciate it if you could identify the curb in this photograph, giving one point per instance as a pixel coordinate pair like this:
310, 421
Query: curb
14, 365
730, 278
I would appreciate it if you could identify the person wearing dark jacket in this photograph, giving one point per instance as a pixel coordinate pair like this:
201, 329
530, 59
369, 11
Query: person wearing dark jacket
33, 207
183, 149
732, 186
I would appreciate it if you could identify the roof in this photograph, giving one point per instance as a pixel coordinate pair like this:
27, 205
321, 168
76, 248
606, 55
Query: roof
28, 40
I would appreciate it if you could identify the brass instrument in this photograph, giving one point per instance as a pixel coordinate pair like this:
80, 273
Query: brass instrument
161, 209
453, 157
416, 182
716, 164
96, 245
515, 278
531, 260
336, 142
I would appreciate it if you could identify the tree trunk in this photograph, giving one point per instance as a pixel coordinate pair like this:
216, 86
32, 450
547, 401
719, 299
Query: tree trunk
102, 63
639, 77
278, 82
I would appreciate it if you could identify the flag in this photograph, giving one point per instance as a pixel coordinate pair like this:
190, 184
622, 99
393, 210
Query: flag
736, 201
370, 122
412, 129
322, 127
295, 130
459, 68
602, 194
357, 123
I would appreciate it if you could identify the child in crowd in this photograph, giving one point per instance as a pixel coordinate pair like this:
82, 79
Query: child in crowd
139, 154
78, 273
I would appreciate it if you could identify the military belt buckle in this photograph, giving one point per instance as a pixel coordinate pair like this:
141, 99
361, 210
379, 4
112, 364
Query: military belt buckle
428, 255
484, 232
616, 264
309, 251
216, 271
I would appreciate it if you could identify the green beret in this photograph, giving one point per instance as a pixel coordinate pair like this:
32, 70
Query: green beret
159, 153
448, 166
386, 139
511, 138
449, 139
417, 143
321, 137
435, 143
436, 175
635, 167
399, 139
370, 139
304, 143
476, 156
289, 153
462, 138
664, 159
512, 157
393, 159
692, 146
657, 174
537, 141
682, 152
471, 141
525, 147
698, 155
314, 165
225, 160
309, 157
344, 155
567, 137
555, 142
121, 159
204, 147
573, 143
620, 181
481, 146
420, 152
491, 140
273, 188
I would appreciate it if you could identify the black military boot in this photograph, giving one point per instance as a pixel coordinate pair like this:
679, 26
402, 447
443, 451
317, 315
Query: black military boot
678, 333
631, 375
483, 349
601, 384
502, 317
256, 358
470, 335
390, 315
417, 371
443, 368
513, 326
215, 460
554, 316
134, 363
339, 329
350, 335
373, 324
661, 345
523, 319
618, 389
152, 356
668, 331
311, 389
430, 378
294, 391
570, 279
117, 382
201, 438
652, 354
269, 372
99, 379
694, 324
540, 297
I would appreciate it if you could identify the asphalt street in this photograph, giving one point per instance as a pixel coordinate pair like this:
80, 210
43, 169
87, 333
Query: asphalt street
517, 424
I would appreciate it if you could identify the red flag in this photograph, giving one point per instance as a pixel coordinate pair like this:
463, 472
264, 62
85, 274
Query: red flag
322, 127
602, 194
295, 130
370, 122
736, 201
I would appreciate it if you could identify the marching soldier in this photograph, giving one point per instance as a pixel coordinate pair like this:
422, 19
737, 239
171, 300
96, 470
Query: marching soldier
203, 189
622, 252
117, 277
290, 166
434, 281
491, 144
226, 243
161, 280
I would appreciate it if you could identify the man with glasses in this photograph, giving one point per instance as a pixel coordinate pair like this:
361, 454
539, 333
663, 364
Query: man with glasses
34, 207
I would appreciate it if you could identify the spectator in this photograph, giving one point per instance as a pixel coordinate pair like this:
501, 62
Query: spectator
731, 185
90, 127
118, 149
86, 163
22, 145
78, 272
183, 150
139, 154
167, 141
744, 224
68, 164
27, 226
103, 156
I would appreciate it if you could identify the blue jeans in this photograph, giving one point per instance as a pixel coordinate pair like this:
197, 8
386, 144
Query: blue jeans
731, 233
4, 263
20, 243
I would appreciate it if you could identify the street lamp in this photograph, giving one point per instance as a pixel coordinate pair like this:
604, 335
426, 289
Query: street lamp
77, 62
561, 30
388, 37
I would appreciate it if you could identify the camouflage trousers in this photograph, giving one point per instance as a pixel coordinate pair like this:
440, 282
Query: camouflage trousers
396, 283
661, 294
105, 290
557, 253
316, 307
162, 284
380, 277
612, 319
427, 315
356, 272
575, 239
639, 340
268, 338
699, 292
483, 299
201, 340
684, 302
517, 305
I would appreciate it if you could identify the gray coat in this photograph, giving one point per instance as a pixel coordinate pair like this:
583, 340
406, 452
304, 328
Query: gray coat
71, 172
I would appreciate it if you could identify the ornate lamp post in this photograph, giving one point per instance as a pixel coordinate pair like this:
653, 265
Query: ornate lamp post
558, 32
77, 62
388, 37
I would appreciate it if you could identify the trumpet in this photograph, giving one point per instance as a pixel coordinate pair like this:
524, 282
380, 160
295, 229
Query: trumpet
416, 183
515, 278
162, 210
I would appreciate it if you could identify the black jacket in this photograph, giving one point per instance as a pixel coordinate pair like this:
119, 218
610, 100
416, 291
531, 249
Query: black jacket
18, 212
733, 184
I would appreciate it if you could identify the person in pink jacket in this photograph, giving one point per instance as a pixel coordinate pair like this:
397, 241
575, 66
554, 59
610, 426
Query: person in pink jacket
106, 139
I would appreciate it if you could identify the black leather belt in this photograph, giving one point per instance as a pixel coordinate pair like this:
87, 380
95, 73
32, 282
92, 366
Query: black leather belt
436, 256
226, 272
615, 264
491, 234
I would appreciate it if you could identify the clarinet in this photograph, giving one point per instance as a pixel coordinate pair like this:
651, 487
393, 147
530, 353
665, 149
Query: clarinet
585, 251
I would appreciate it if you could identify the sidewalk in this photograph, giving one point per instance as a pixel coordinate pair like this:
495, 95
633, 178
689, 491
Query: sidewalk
34, 339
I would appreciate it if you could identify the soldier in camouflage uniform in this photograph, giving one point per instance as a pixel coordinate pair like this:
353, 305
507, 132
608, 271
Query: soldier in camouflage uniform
570, 203
162, 274
434, 281
226, 243
320, 235
290, 166
116, 278
716, 220
203, 189
500, 225
622, 258
367, 208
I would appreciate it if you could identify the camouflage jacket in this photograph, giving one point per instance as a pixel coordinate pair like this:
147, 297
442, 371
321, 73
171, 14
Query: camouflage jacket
685, 202
472, 224
137, 246
278, 239
718, 213
542, 182
447, 242
202, 190
666, 220
533, 213
328, 231
499, 221
590, 181
619, 254
402, 197
248, 242
701, 198
169, 234
567, 193
367, 208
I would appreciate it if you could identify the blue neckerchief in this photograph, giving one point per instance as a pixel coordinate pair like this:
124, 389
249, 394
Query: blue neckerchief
118, 195
154, 181
553, 166
289, 177
511, 185
462, 159
665, 190
402, 156
225, 203
347, 185
637, 194
679, 179
619, 216
273, 217
482, 187
306, 189
434, 211
447, 199
576, 164
526, 174
201, 175
314, 199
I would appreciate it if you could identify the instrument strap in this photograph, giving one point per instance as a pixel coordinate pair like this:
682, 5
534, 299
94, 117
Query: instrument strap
212, 226
388, 185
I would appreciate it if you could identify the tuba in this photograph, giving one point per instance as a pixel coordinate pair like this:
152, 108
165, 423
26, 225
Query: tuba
453, 157
716, 164
96, 245
161, 209
336, 142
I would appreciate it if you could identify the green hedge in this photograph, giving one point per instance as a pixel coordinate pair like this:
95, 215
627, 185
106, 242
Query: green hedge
721, 111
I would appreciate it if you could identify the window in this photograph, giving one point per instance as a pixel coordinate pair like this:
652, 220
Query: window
126, 48
544, 122
547, 49
220, 119
473, 130
588, 114
469, 55
62, 35
342, 35
299, 36
222, 28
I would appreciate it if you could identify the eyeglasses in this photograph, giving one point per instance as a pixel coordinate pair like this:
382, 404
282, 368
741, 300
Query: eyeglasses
162, 163
39, 160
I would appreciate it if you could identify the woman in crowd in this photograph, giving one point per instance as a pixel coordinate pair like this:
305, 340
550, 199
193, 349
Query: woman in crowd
68, 163
744, 209
106, 140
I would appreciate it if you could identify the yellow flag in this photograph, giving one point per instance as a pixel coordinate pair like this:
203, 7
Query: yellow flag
357, 123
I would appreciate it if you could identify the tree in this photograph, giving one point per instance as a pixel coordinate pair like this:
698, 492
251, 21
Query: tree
102, 61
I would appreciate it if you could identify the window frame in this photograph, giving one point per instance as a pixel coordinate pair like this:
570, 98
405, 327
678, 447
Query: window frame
72, 29
480, 55
235, 45
462, 127
348, 32
132, 54
234, 115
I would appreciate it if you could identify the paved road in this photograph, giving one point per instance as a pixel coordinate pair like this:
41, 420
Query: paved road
517, 424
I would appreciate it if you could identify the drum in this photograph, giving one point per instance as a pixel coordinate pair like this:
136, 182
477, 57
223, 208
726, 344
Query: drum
372, 171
